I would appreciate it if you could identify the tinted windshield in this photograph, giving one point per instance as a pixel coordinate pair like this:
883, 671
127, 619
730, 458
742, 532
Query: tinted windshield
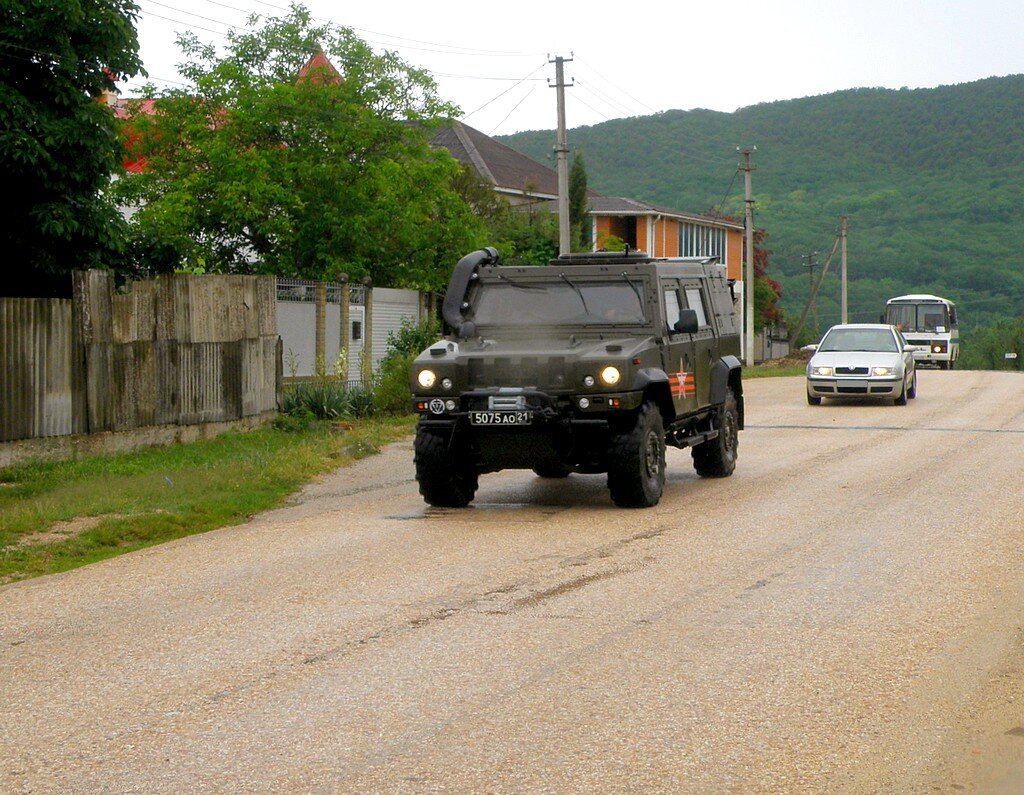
859, 339
918, 317
520, 302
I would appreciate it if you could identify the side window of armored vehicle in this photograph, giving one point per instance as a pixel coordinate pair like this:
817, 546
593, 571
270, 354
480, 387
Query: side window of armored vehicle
671, 292
695, 301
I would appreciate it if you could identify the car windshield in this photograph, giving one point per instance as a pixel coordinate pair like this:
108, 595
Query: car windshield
859, 339
515, 301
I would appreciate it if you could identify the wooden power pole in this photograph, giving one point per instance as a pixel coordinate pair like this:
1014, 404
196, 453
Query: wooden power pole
562, 153
748, 276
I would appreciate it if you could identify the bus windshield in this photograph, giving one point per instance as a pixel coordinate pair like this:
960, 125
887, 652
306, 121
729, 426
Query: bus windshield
918, 317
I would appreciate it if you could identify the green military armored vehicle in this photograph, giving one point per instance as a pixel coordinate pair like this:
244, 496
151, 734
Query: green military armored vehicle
591, 364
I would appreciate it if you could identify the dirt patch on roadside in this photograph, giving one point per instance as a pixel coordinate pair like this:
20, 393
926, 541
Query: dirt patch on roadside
62, 531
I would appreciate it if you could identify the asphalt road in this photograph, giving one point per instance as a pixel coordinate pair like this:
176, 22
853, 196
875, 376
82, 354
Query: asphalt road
843, 614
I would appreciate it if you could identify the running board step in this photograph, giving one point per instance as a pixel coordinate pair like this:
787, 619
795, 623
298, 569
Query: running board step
682, 442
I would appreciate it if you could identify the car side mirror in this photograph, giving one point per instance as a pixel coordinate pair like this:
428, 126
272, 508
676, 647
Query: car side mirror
810, 348
687, 323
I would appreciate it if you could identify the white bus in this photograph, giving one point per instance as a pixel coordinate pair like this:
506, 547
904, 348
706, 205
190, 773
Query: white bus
927, 321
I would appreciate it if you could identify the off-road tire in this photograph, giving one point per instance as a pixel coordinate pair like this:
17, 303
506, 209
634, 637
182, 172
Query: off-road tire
445, 479
636, 461
552, 470
812, 400
901, 399
716, 458
912, 393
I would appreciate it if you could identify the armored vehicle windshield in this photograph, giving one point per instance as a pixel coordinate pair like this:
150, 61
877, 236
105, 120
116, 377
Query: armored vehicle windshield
517, 301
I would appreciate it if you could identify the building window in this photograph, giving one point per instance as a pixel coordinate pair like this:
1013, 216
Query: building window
357, 330
697, 240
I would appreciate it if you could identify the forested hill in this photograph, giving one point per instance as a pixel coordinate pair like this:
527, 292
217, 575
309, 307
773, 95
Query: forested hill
932, 181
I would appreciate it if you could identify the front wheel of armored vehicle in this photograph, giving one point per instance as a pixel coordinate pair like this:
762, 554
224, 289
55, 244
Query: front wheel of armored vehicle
636, 461
716, 458
445, 480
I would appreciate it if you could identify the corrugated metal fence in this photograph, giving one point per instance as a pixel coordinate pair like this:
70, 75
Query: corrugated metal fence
179, 350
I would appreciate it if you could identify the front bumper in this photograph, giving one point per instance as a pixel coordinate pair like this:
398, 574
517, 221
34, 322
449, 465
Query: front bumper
825, 387
559, 429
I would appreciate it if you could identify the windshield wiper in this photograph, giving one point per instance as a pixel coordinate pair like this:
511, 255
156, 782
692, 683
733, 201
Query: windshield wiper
579, 292
520, 285
636, 290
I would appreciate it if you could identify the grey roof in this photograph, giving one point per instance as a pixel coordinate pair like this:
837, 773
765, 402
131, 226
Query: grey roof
510, 171
502, 166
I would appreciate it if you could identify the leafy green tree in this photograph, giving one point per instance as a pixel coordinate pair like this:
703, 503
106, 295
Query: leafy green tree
578, 220
266, 166
59, 143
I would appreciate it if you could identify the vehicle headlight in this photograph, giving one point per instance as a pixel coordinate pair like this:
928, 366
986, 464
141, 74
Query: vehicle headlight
883, 371
588, 380
426, 378
610, 375
937, 349
821, 371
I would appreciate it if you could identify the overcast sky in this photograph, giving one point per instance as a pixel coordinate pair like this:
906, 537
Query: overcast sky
635, 59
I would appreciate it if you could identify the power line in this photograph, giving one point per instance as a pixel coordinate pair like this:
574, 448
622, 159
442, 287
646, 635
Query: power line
503, 93
514, 109
612, 85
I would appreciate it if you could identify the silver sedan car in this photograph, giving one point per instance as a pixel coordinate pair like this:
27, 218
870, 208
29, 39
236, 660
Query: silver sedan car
862, 360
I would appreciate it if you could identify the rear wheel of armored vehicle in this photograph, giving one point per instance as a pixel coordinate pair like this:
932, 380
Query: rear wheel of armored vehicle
636, 461
552, 470
446, 481
716, 458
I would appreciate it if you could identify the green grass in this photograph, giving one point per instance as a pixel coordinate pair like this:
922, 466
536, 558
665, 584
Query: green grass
785, 368
162, 493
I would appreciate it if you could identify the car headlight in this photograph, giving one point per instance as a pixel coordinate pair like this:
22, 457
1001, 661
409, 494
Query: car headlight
883, 371
426, 378
821, 371
610, 375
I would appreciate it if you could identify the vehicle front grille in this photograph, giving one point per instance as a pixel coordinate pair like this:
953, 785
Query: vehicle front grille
851, 371
512, 371
852, 390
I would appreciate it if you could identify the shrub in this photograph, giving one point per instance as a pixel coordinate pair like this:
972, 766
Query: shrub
391, 394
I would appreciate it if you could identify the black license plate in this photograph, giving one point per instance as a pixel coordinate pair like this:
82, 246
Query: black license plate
499, 417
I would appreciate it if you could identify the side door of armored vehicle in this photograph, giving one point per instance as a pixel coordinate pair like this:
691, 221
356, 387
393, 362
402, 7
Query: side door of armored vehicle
678, 358
704, 342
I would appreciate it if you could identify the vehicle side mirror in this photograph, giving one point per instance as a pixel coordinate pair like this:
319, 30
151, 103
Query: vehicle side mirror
687, 323
810, 348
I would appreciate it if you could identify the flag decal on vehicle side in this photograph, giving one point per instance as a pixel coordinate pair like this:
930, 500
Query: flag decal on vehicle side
682, 384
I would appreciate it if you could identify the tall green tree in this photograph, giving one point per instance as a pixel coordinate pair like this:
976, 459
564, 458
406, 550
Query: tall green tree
59, 144
578, 202
273, 166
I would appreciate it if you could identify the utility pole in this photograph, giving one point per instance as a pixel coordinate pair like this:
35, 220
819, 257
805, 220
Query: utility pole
842, 266
794, 333
748, 277
811, 264
562, 153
